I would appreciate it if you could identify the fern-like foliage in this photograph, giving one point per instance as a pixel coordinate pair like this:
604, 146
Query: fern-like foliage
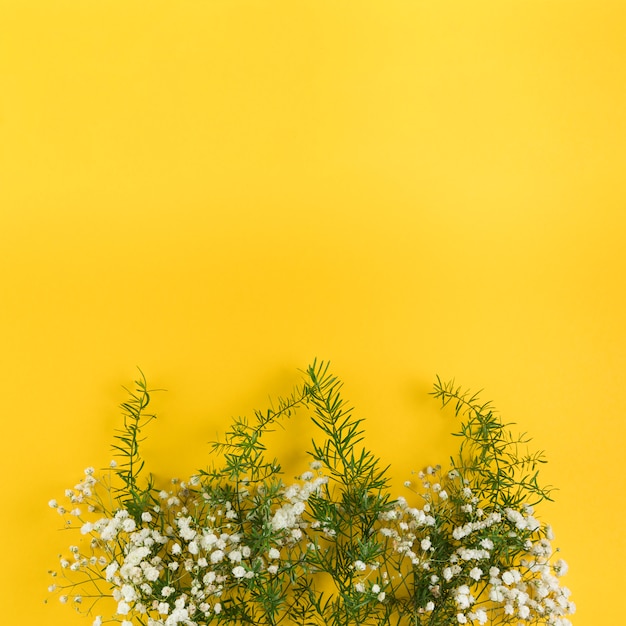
134, 496
498, 464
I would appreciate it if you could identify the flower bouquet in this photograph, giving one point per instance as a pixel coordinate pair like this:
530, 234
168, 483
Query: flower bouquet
236, 544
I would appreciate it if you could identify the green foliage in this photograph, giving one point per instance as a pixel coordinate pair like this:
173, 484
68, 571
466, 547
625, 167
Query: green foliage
495, 462
235, 544
134, 497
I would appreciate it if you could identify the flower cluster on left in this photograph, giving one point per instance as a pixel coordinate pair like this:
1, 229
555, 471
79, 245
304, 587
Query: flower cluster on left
186, 540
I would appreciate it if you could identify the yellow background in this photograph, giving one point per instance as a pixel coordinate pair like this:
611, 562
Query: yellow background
218, 191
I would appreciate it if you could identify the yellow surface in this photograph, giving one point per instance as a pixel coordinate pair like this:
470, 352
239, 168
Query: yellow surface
220, 190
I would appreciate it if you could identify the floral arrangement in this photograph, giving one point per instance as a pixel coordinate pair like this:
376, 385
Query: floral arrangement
235, 544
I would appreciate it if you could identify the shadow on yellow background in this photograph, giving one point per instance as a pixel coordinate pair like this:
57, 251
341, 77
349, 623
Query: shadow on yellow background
219, 191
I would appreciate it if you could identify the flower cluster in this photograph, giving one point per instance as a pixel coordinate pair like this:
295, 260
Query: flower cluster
186, 540
235, 544
463, 556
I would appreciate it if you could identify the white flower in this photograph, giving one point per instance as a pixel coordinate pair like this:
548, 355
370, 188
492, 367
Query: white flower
53, 504
517, 518
123, 608
487, 544
146, 517
273, 554
511, 576
235, 556
110, 571
178, 615
480, 616
187, 533
128, 593
217, 556
239, 571
151, 573
359, 566
497, 593
476, 573
426, 544
163, 608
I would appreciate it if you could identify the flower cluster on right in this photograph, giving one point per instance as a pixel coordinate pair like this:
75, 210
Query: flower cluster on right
235, 544
487, 562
